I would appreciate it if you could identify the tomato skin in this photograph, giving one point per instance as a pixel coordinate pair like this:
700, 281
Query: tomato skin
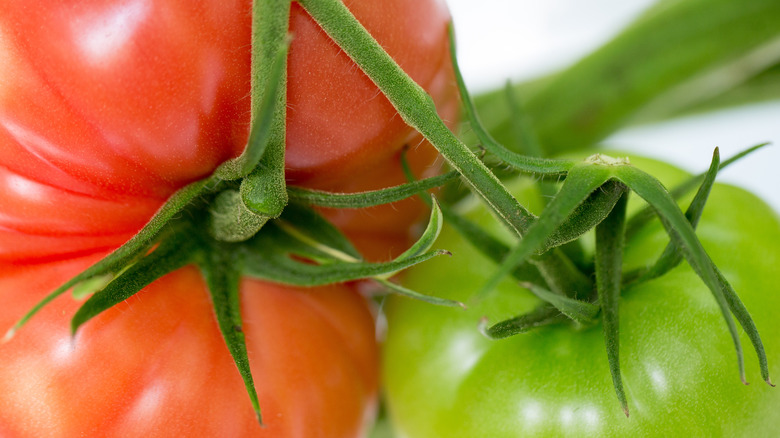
157, 366
118, 104
678, 362
133, 97
95, 137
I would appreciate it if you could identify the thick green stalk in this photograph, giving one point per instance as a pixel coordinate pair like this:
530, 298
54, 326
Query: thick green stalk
264, 190
672, 44
416, 107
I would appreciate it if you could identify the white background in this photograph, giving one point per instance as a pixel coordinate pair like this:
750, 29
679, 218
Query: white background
521, 39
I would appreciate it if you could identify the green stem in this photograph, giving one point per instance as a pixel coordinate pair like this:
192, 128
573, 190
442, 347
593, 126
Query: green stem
264, 190
418, 110
415, 107
672, 44
562, 275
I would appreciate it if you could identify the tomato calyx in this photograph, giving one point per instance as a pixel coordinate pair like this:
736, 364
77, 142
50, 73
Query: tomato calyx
581, 182
298, 248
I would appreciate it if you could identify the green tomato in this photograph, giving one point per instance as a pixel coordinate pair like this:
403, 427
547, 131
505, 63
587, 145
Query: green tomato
679, 367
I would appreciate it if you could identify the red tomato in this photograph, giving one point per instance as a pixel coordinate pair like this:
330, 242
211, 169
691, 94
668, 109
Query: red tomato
108, 107
157, 366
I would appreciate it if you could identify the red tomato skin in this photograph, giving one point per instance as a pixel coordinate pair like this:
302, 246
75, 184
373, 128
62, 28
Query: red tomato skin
157, 366
130, 97
107, 108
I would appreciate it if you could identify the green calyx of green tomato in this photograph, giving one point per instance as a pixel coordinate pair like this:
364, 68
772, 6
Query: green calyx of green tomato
600, 186
594, 195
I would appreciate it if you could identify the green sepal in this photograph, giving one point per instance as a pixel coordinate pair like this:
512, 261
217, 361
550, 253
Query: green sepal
610, 235
671, 256
367, 199
581, 181
585, 216
429, 236
539, 317
83, 290
643, 216
123, 256
684, 237
581, 312
284, 253
314, 233
562, 275
743, 316
174, 252
311, 236
406, 292
276, 263
221, 267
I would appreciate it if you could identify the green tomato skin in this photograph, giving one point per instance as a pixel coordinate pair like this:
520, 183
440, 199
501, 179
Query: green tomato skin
679, 366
